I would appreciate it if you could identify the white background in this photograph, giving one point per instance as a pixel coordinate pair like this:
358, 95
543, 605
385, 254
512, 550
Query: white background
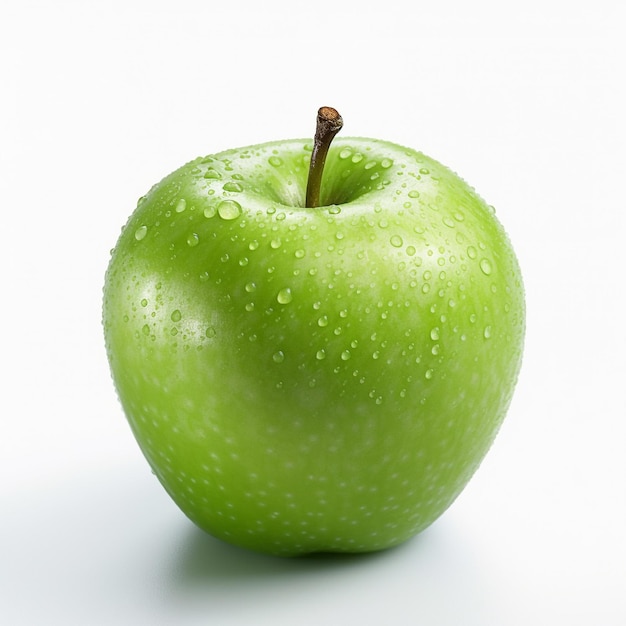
98, 101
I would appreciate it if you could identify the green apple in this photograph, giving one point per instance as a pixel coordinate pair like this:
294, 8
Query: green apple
314, 378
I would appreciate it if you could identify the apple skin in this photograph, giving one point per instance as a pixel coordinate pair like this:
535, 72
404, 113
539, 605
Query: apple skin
314, 379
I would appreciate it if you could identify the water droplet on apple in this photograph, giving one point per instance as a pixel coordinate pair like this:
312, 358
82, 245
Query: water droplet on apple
448, 221
210, 332
284, 296
428, 374
345, 153
410, 250
275, 161
181, 205
212, 174
357, 158
424, 171
487, 332
322, 321
320, 355
193, 240
434, 334
275, 244
176, 316
299, 254
471, 252
144, 303
414, 193
396, 241
345, 355
485, 266
386, 163
229, 209
278, 357
210, 211
141, 232
232, 186
250, 287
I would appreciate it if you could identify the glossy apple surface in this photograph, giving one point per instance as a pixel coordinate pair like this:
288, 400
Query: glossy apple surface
314, 379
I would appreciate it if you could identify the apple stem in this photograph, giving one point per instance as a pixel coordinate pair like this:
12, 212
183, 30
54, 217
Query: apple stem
329, 123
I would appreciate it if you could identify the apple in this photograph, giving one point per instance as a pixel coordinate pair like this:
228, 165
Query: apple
314, 346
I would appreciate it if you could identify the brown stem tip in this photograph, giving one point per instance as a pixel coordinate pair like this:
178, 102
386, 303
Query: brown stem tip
329, 123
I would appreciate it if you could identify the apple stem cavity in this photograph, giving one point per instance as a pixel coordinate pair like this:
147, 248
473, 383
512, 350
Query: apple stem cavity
329, 123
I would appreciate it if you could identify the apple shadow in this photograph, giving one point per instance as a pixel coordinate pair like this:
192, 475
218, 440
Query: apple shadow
222, 582
211, 580
204, 561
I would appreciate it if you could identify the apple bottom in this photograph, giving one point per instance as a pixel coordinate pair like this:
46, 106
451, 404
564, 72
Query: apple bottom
292, 480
